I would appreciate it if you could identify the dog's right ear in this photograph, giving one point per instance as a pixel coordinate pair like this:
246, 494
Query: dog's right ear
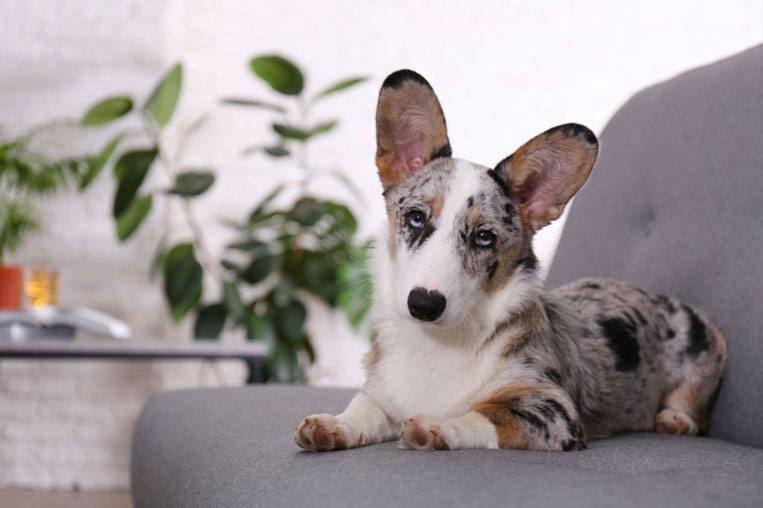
410, 127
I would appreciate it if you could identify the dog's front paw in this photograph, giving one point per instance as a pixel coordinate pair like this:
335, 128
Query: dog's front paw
321, 433
422, 433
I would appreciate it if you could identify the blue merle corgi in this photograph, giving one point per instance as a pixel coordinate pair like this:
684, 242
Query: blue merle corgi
469, 350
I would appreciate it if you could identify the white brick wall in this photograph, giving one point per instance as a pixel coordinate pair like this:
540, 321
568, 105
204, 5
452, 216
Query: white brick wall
67, 423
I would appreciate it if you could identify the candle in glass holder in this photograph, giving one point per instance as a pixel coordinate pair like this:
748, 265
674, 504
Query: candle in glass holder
41, 287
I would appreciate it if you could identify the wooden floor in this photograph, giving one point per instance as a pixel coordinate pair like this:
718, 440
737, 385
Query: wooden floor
16, 498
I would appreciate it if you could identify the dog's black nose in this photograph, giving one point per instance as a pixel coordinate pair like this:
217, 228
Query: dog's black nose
425, 305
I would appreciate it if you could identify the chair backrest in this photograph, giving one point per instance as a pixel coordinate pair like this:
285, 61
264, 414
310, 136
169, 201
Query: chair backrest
675, 205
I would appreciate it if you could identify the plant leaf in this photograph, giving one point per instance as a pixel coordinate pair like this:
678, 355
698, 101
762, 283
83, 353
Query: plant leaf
282, 75
256, 247
323, 128
277, 151
17, 220
132, 217
273, 150
307, 345
157, 261
290, 321
307, 211
230, 265
232, 299
339, 86
210, 321
318, 274
97, 163
258, 269
131, 170
182, 280
260, 328
256, 215
291, 132
192, 183
254, 103
161, 105
283, 365
107, 110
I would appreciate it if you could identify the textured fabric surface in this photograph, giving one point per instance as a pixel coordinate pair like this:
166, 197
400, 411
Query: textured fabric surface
234, 447
675, 205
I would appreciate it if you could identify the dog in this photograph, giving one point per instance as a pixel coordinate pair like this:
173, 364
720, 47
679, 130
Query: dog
469, 351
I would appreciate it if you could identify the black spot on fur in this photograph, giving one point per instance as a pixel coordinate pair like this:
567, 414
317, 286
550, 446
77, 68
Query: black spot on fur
397, 78
444, 151
558, 407
470, 202
574, 129
532, 419
464, 235
573, 444
491, 269
592, 285
529, 262
640, 317
400, 201
417, 237
621, 339
665, 302
554, 376
697, 334
500, 182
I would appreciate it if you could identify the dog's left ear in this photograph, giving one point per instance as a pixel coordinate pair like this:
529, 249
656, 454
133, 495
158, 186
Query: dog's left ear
544, 173
410, 127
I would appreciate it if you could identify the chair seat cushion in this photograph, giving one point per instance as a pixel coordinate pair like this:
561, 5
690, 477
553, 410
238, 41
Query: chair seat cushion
234, 447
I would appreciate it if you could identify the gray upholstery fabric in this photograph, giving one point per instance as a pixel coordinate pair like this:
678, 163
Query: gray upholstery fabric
233, 447
675, 205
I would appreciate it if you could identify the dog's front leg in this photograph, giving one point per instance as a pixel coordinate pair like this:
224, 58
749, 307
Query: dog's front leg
363, 422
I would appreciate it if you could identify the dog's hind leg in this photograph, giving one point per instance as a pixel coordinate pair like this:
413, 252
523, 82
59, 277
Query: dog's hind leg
687, 406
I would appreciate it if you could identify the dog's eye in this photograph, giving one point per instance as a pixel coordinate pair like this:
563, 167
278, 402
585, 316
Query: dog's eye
484, 239
415, 219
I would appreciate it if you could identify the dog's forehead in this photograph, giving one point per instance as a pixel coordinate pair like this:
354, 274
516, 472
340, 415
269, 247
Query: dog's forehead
449, 178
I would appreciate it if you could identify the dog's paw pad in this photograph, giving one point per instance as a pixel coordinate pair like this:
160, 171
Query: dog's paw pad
324, 432
670, 421
421, 434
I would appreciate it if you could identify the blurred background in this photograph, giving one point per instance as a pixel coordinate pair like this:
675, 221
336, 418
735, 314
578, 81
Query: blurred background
293, 281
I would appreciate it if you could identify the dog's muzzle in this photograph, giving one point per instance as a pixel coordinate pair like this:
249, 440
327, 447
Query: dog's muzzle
426, 305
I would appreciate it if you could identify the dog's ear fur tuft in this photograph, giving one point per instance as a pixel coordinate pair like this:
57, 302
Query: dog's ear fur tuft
410, 127
544, 173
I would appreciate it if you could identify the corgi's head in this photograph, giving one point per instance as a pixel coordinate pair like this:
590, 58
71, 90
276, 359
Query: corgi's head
458, 231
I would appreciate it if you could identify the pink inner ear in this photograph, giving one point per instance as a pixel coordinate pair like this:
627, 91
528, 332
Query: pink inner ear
539, 190
412, 155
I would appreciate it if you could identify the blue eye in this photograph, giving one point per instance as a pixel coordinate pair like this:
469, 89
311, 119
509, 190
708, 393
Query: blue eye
415, 219
484, 239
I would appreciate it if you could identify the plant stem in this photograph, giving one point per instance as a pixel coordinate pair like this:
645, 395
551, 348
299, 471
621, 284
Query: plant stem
197, 235
303, 107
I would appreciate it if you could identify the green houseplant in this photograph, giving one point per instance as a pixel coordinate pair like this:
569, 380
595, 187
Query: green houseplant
280, 254
26, 175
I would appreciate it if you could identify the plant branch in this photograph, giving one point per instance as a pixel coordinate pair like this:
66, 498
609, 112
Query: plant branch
169, 165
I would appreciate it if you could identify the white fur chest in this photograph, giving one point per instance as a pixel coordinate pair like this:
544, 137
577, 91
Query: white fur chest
418, 374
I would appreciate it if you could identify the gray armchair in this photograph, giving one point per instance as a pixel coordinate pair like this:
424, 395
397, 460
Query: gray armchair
675, 206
